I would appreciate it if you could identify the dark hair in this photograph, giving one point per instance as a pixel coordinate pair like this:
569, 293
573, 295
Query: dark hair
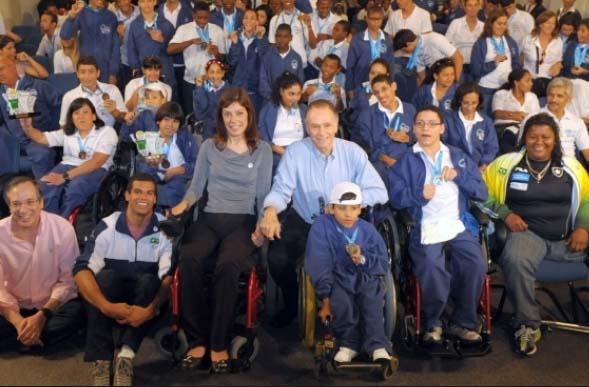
239, 95
88, 60
430, 108
492, 18
570, 19
266, 9
18, 180
543, 18
437, 68
141, 176
200, 6
381, 62
345, 25
5, 40
333, 57
284, 81
514, 76
283, 27
171, 110
505, 3
78, 103
152, 62
381, 78
464, 89
374, 9
584, 23
544, 119
51, 15
402, 38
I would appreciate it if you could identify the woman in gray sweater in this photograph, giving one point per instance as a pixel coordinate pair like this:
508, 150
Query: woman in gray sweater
236, 168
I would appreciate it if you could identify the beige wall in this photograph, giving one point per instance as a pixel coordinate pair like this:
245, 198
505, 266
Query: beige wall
16, 12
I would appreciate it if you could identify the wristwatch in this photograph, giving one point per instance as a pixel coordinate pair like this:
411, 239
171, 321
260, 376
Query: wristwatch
48, 313
66, 176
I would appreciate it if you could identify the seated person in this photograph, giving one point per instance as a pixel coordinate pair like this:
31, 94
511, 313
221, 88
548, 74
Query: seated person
38, 297
279, 58
308, 171
105, 97
541, 195
325, 87
174, 168
469, 130
151, 69
363, 97
47, 103
436, 183
573, 131
579, 105
236, 169
282, 121
347, 261
575, 58
88, 149
50, 40
511, 105
425, 50
439, 86
337, 45
153, 96
384, 129
567, 27
124, 275
206, 95
26, 64
66, 57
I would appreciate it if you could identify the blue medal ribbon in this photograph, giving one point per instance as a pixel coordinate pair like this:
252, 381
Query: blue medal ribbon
228, 22
412, 63
294, 15
203, 34
393, 123
350, 240
498, 45
375, 46
436, 168
324, 87
580, 54
153, 24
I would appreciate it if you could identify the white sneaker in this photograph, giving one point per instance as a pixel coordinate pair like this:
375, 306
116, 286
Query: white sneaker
345, 355
464, 334
379, 354
433, 336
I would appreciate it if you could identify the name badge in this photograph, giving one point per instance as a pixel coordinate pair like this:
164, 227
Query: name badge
518, 186
520, 176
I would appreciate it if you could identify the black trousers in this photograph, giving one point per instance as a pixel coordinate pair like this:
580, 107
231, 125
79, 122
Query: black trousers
217, 244
286, 253
138, 289
64, 323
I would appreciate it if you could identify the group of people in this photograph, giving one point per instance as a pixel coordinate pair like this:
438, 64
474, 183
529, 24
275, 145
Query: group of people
272, 88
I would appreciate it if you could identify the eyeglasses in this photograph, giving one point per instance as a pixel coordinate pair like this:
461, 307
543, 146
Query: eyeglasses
27, 203
429, 124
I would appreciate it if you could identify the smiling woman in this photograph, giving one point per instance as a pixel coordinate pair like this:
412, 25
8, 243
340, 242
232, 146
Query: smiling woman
88, 150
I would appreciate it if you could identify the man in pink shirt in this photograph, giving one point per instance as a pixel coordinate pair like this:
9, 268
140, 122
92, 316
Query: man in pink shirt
38, 296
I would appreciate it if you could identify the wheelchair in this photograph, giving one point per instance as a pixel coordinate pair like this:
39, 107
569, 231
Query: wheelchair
411, 330
171, 340
320, 337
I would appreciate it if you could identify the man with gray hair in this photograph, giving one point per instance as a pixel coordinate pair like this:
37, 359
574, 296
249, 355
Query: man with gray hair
573, 132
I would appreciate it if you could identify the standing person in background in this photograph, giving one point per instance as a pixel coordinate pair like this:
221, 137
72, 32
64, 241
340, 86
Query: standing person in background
98, 36
298, 25
50, 41
568, 8
534, 7
520, 23
66, 58
409, 16
125, 13
576, 57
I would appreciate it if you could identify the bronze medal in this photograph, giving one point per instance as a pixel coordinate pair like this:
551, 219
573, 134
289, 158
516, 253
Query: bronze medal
105, 96
204, 45
82, 155
352, 249
165, 164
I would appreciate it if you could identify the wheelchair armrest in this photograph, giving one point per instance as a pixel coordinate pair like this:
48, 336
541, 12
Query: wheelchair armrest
174, 226
407, 219
500, 234
482, 218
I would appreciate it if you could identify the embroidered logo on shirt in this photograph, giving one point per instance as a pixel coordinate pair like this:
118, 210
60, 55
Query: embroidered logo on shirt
404, 127
448, 104
481, 134
502, 171
105, 29
154, 240
294, 64
462, 163
557, 172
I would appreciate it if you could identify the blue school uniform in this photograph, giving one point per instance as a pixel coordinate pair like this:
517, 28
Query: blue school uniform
140, 45
267, 124
218, 18
483, 137
360, 101
206, 101
406, 182
48, 104
371, 133
145, 121
356, 292
575, 53
424, 97
362, 52
247, 65
185, 16
98, 38
479, 68
272, 67
171, 192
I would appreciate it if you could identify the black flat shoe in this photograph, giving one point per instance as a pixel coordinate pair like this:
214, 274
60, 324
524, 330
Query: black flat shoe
221, 367
191, 362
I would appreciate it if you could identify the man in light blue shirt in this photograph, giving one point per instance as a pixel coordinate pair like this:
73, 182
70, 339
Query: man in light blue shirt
308, 171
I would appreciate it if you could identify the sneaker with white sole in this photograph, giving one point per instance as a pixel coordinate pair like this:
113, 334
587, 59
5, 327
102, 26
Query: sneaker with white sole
380, 354
464, 334
345, 355
525, 340
123, 371
433, 336
101, 373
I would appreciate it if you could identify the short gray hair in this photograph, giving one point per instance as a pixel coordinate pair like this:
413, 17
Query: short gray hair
561, 82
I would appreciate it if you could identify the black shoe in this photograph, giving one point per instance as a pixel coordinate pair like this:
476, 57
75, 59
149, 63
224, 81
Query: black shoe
283, 318
191, 362
221, 367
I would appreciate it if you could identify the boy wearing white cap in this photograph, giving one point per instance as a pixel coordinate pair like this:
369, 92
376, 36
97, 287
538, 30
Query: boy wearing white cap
347, 261
153, 96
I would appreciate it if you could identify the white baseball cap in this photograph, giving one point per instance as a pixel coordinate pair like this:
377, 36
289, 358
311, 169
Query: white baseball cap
341, 189
156, 86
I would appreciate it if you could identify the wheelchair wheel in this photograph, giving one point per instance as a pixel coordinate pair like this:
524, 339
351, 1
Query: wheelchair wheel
110, 196
307, 309
172, 345
390, 308
239, 350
